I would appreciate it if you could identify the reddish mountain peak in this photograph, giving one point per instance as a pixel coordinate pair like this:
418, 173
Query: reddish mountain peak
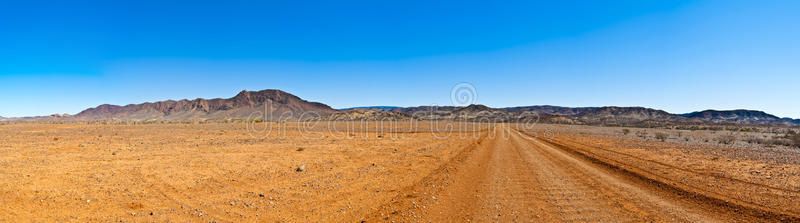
240, 106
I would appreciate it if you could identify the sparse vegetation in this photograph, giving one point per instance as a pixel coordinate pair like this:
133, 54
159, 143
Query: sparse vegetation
661, 136
642, 134
726, 139
768, 142
795, 138
626, 131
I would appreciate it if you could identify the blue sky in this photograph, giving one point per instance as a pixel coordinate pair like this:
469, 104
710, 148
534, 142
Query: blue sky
679, 56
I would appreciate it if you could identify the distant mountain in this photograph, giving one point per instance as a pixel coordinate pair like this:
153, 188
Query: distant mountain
627, 115
246, 104
792, 121
282, 105
740, 116
367, 115
471, 112
423, 109
638, 115
596, 115
551, 110
371, 108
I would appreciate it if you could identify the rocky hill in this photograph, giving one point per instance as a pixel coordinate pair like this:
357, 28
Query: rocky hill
279, 105
609, 115
366, 115
740, 116
247, 104
371, 108
629, 115
551, 110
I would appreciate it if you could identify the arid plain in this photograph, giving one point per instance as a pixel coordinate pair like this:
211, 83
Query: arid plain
370, 171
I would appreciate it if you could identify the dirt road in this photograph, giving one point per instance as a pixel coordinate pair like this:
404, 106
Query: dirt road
219, 173
511, 177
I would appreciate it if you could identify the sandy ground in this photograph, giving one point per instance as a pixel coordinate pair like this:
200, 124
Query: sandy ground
227, 173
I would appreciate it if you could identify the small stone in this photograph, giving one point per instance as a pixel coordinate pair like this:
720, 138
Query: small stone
301, 168
261, 195
151, 213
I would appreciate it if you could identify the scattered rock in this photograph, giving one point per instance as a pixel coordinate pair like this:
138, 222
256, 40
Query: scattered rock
261, 195
301, 168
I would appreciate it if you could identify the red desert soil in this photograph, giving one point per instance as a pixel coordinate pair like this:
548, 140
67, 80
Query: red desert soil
222, 173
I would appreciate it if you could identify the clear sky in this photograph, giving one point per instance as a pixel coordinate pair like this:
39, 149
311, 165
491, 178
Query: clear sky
679, 56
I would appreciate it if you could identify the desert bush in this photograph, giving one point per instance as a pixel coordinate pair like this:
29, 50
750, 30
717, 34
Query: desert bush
661, 136
795, 140
726, 139
626, 131
642, 135
769, 142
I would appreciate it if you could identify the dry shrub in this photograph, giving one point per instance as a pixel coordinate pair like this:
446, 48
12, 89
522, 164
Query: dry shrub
641, 134
661, 136
726, 139
769, 142
795, 139
626, 131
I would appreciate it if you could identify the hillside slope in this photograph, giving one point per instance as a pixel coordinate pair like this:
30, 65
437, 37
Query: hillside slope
253, 104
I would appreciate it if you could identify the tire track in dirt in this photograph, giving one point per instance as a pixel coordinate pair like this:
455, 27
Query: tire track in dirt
793, 192
412, 203
515, 178
608, 198
162, 186
688, 193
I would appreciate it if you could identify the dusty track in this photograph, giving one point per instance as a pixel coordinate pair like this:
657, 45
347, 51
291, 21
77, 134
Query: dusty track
509, 177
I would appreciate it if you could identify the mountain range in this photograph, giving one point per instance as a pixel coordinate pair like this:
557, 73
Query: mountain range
266, 104
280, 105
